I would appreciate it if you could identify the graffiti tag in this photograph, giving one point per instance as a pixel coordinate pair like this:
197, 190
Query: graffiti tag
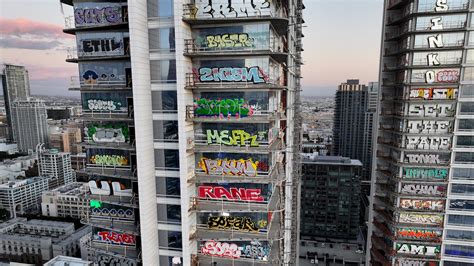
120, 213
433, 93
432, 110
224, 107
237, 194
116, 238
428, 143
106, 15
425, 173
429, 126
418, 233
106, 260
418, 249
235, 138
423, 158
104, 189
253, 74
430, 219
235, 223
229, 167
237, 9
229, 40
412, 204
101, 105
220, 249
256, 250
410, 262
416, 189
109, 160
97, 46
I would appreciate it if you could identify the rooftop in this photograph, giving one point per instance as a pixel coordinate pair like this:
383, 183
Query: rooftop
20, 183
71, 189
67, 261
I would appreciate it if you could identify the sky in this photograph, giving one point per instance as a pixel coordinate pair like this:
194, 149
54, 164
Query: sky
342, 41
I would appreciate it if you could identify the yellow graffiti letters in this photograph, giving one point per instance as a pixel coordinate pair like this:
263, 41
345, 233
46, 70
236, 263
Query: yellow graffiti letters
109, 160
229, 40
232, 138
229, 167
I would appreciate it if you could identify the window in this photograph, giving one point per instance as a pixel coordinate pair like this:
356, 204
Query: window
165, 130
162, 39
465, 141
462, 189
463, 173
461, 205
468, 74
464, 157
466, 108
466, 125
462, 220
168, 186
164, 101
163, 71
460, 235
459, 251
467, 91
160, 8
429, 5
170, 214
167, 159
455, 263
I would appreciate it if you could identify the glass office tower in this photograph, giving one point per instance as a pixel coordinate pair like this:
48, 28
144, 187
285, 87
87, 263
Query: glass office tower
423, 190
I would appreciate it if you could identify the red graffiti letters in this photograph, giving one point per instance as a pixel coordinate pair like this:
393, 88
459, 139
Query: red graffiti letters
243, 194
116, 238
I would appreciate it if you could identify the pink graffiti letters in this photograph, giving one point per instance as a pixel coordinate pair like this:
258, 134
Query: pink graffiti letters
236, 194
220, 249
229, 167
116, 238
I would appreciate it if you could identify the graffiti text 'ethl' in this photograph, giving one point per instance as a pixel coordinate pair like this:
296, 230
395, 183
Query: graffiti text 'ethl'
236, 194
229, 167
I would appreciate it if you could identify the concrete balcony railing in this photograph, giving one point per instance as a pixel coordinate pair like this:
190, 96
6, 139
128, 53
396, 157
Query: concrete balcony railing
114, 224
260, 116
123, 252
193, 82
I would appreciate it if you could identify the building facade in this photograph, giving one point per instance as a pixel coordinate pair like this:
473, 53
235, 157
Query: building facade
16, 85
57, 166
66, 201
29, 124
201, 105
22, 196
353, 122
422, 193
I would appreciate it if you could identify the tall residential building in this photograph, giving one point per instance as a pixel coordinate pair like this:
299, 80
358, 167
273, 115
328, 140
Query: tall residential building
330, 192
16, 85
353, 122
191, 111
57, 166
29, 123
423, 190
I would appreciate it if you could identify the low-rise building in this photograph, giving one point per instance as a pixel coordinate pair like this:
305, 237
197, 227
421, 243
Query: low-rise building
67, 261
22, 196
37, 241
65, 201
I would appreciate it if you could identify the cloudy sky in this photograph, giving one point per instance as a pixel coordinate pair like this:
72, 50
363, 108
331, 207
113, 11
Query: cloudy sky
342, 41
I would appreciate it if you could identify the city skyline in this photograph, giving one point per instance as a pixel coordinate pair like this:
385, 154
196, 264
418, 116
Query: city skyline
33, 37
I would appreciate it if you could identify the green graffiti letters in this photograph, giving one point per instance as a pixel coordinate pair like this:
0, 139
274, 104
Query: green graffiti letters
229, 40
109, 160
224, 107
233, 137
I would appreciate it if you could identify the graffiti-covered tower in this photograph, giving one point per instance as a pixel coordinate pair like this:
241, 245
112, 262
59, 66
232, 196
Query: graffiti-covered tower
422, 192
212, 123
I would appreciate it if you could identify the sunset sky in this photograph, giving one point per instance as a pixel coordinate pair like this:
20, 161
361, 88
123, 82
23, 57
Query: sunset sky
342, 41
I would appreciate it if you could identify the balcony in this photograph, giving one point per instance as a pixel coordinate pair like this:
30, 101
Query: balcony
72, 56
193, 83
70, 26
274, 49
257, 117
116, 225
75, 84
123, 252
264, 147
109, 145
121, 173
125, 201
244, 13
216, 205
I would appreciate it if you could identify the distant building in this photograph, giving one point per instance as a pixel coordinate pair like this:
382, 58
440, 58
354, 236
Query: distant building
29, 122
59, 113
22, 196
16, 85
67, 261
330, 197
11, 169
57, 166
65, 201
65, 139
37, 241
353, 122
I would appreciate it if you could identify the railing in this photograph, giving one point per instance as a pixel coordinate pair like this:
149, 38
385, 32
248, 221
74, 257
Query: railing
452, 6
191, 12
192, 80
273, 45
260, 115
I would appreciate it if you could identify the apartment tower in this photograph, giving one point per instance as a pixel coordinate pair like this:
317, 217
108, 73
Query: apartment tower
423, 190
191, 115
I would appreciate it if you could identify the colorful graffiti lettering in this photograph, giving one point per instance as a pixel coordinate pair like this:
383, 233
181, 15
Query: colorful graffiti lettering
256, 250
229, 40
418, 249
115, 238
109, 160
429, 219
106, 15
235, 138
235, 223
254, 74
447, 76
224, 107
220, 249
237, 194
103, 105
105, 188
237, 9
418, 233
416, 189
425, 173
423, 158
412, 204
433, 93
229, 167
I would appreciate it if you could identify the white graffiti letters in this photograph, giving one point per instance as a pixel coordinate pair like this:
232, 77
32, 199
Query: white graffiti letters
428, 143
100, 105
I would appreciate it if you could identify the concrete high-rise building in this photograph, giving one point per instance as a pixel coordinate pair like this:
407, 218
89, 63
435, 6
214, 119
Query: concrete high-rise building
353, 122
29, 123
57, 166
22, 196
423, 190
191, 111
16, 85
